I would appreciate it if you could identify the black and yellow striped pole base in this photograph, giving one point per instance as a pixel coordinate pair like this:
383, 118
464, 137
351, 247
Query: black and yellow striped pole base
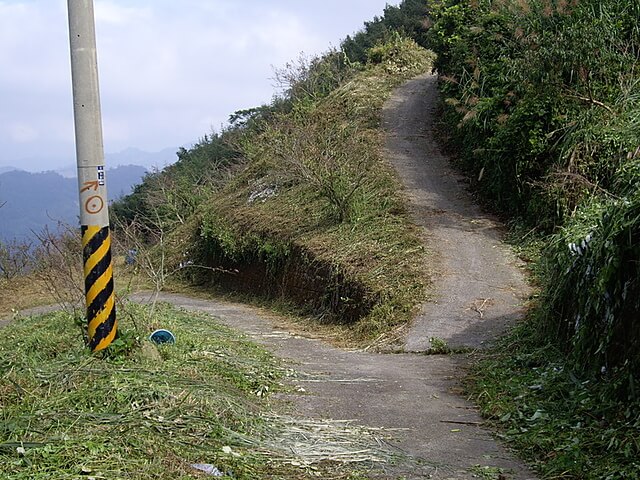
98, 284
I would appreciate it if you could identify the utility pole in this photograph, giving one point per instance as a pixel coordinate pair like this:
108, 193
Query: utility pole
94, 216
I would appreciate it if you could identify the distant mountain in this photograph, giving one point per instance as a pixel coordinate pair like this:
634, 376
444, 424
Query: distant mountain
130, 156
122, 179
150, 160
7, 169
33, 201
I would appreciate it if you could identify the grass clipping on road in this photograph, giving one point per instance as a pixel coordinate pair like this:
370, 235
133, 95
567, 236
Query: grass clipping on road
147, 411
564, 424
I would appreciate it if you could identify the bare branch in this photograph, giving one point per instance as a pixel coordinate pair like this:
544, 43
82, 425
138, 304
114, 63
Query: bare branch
593, 101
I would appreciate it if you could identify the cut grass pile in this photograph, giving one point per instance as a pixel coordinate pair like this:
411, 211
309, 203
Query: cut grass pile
146, 411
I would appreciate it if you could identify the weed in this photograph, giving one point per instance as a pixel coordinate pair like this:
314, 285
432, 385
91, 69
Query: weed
438, 346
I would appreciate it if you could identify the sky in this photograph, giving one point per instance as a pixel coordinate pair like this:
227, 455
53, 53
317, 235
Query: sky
170, 71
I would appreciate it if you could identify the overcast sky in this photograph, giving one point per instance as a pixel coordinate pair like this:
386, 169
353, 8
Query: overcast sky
170, 70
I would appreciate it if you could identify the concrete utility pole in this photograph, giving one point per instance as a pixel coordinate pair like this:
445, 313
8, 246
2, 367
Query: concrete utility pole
94, 216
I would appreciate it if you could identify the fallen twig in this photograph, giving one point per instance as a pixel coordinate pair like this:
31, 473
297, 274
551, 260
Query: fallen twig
480, 309
460, 422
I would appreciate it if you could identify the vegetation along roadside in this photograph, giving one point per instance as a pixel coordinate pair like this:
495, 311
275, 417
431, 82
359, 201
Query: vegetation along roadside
168, 411
541, 100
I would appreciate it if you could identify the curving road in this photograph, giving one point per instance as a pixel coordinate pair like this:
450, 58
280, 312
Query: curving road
415, 398
479, 283
479, 288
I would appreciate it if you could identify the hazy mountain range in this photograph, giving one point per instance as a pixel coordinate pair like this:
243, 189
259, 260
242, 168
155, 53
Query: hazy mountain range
32, 201
131, 156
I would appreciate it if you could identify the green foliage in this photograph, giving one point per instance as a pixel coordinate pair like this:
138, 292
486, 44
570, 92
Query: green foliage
409, 20
124, 345
539, 95
438, 346
542, 98
398, 55
221, 243
593, 297
320, 149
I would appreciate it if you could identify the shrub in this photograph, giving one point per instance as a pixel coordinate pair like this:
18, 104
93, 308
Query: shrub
543, 103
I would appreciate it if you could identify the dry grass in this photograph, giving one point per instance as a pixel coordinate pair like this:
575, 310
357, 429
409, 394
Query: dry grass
31, 291
22, 293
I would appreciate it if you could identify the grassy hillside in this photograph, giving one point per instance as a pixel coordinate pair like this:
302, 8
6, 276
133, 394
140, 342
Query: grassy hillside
294, 201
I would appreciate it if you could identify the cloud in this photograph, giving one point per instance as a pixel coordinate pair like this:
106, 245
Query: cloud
167, 68
32, 48
110, 13
22, 132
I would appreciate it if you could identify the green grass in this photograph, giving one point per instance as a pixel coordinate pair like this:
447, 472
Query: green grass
566, 425
144, 412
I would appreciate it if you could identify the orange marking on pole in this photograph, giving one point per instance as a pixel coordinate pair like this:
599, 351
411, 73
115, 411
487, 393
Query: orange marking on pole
94, 204
89, 185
